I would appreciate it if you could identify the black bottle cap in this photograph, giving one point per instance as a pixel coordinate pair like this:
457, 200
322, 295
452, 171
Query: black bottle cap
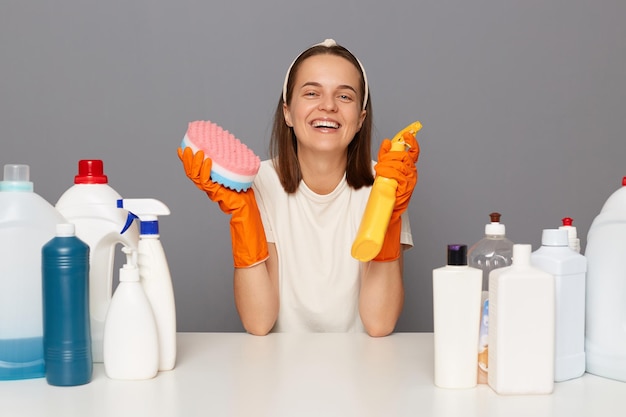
457, 255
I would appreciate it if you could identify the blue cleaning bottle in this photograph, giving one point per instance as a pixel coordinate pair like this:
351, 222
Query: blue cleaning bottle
66, 331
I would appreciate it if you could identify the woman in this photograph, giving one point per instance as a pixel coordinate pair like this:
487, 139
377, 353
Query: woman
293, 230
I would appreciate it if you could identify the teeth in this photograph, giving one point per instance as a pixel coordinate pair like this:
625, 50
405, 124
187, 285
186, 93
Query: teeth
325, 123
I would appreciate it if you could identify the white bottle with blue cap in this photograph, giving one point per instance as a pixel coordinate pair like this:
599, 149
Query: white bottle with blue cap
155, 273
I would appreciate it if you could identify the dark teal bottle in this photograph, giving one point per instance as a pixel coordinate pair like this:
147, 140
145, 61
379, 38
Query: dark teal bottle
66, 332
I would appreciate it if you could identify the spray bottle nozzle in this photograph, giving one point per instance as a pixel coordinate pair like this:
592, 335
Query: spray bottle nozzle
495, 217
146, 210
129, 271
567, 221
131, 255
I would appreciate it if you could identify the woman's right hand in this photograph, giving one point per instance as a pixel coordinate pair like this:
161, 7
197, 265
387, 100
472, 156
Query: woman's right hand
246, 228
198, 170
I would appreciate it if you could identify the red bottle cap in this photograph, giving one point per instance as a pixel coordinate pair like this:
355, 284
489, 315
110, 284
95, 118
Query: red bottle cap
567, 221
90, 171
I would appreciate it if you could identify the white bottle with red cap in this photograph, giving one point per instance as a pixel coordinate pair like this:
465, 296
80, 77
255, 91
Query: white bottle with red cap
572, 234
569, 267
605, 327
91, 204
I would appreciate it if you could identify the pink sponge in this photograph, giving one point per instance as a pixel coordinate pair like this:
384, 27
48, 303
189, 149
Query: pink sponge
234, 164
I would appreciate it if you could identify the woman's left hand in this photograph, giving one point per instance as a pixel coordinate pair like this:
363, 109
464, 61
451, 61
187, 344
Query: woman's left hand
400, 166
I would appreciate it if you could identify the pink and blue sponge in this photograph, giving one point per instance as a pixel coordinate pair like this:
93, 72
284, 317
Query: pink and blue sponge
234, 165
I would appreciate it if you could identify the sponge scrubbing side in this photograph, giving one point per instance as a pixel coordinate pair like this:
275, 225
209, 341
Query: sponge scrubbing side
234, 165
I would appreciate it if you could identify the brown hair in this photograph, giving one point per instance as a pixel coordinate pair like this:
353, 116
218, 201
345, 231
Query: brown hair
283, 145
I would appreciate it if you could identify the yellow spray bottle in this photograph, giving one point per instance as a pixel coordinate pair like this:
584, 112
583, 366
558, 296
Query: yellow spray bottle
371, 234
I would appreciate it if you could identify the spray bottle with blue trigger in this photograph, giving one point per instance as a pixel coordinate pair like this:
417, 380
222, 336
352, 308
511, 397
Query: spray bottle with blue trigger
154, 272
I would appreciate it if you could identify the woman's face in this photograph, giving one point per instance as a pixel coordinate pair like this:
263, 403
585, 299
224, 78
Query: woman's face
325, 110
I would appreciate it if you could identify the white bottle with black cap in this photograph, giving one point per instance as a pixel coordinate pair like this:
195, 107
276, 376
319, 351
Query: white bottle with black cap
456, 314
569, 268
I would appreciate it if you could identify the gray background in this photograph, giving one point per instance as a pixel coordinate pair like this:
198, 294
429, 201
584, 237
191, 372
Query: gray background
522, 102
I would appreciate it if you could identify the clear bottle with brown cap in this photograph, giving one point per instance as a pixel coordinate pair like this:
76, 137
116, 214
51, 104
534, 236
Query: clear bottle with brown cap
493, 251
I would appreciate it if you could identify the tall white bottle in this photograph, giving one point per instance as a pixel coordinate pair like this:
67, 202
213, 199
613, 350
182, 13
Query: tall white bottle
521, 327
605, 339
493, 251
155, 274
569, 269
91, 204
131, 343
456, 314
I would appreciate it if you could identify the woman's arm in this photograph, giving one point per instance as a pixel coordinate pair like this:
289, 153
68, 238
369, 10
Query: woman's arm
382, 296
256, 294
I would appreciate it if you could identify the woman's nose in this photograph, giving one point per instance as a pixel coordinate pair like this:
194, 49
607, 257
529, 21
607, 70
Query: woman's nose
328, 103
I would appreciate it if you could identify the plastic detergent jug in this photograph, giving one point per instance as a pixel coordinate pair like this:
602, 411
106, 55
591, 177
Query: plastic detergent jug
27, 222
91, 204
605, 333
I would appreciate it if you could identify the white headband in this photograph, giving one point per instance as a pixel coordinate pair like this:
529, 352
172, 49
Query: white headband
327, 43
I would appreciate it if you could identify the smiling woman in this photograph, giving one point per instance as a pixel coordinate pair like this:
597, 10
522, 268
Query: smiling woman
304, 208
325, 115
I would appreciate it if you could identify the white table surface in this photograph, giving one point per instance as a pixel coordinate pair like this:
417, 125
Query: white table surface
236, 374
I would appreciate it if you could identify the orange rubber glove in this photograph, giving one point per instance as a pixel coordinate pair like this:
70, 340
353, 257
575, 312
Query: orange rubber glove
246, 229
400, 166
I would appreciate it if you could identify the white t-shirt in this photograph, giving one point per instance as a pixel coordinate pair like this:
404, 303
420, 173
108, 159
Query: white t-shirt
319, 280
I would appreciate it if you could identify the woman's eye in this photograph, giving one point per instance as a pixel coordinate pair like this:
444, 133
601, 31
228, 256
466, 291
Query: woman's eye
345, 97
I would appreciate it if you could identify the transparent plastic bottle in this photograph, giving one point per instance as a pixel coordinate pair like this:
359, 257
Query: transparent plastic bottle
27, 222
493, 251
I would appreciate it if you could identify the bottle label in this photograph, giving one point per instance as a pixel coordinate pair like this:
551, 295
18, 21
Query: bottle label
483, 348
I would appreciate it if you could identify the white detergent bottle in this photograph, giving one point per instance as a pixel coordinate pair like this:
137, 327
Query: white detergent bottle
91, 204
572, 233
27, 222
131, 344
569, 269
521, 327
456, 314
155, 274
493, 251
605, 339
